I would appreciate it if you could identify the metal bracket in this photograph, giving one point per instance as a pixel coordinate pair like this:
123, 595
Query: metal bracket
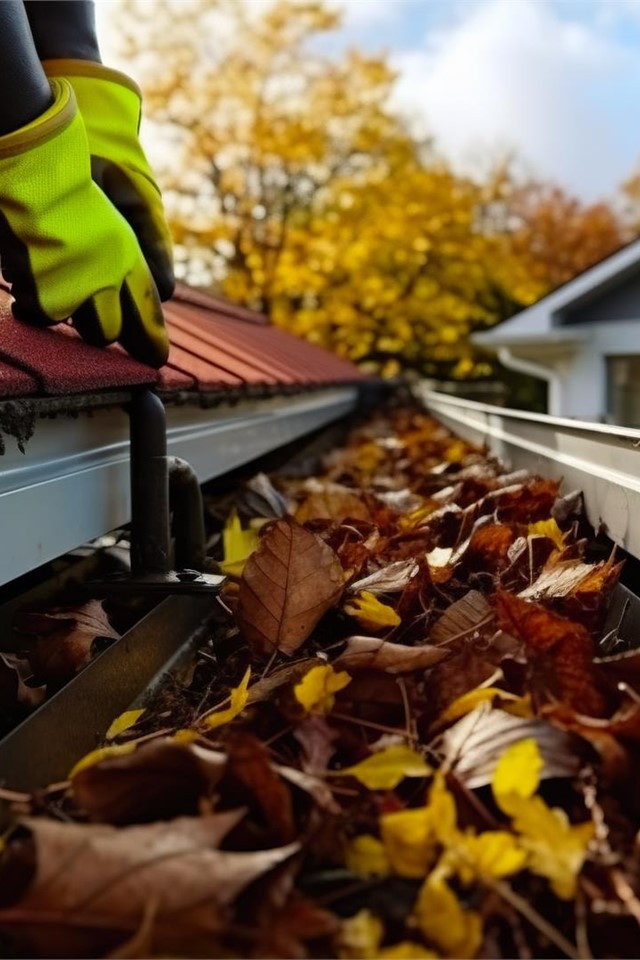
159, 482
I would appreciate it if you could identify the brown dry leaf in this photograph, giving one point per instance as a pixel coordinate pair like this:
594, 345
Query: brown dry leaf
252, 781
261, 499
472, 612
290, 673
161, 780
390, 579
14, 689
317, 740
559, 652
288, 584
558, 579
372, 653
314, 786
102, 877
65, 639
473, 746
332, 501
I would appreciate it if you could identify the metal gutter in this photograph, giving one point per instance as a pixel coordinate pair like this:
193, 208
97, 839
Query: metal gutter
601, 460
72, 483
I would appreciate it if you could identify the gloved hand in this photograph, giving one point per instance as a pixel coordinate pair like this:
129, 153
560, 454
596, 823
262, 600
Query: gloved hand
110, 104
64, 246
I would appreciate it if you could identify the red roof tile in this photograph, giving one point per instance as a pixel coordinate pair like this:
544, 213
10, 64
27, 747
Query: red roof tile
214, 346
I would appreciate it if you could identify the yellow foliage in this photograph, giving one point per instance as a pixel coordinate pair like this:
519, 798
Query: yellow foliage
366, 856
238, 701
548, 528
455, 931
406, 950
387, 768
494, 853
102, 753
316, 691
360, 936
410, 837
122, 723
371, 613
556, 849
237, 544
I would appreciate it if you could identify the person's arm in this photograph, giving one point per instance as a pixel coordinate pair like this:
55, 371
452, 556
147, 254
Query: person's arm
63, 29
26, 93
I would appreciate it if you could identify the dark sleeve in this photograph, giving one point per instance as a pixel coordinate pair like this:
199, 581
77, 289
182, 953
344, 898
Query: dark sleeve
25, 89
63, 29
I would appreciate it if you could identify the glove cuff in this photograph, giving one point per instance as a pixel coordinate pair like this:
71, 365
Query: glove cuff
49, 124
90, 70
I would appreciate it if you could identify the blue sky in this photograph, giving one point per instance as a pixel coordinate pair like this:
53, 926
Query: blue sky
555, 81
558, 81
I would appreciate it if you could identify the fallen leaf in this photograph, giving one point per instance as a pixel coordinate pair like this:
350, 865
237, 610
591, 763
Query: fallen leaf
547, 528
493, 853
126, 720
288, 584
373, 653
455, 930
371, 613
387, 768
317, 689
406, 950
237, 544
238, 701
366, 856
392, 578
65, 639
313, 785
467, 615
251, 780
559, 652
15, 691
474, 745
100, 754
261, 498
469, 701
332, 501
97, 877
318, 741
360, 937
160, 780
556, 849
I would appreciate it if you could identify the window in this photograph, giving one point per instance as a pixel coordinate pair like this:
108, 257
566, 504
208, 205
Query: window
623, 391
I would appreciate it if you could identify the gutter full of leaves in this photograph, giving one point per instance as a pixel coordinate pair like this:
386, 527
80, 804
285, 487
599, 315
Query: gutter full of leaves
411, 738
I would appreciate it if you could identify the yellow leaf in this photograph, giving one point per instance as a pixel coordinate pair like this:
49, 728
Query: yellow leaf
455, 931
468, 702
122, 723
406, 950
494, 853
366, 856
102, 753
316, 691
387, 768
237, 544
185, 736
556, 849
442, 808
519, 707
371, 613
548, 528
360, 936
409, 841
517, 774
238, 698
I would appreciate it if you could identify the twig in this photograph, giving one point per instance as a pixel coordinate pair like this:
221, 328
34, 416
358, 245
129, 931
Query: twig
625, 892
535, 919
408, 720
582, 936
373, 726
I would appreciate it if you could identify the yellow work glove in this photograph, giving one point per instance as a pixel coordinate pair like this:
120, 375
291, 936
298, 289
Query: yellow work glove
110, 104
64, 246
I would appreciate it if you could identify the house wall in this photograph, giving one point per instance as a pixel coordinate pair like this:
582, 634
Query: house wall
582, 386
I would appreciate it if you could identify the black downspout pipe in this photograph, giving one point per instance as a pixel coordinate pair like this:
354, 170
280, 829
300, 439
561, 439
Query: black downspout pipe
187, 515
150, 544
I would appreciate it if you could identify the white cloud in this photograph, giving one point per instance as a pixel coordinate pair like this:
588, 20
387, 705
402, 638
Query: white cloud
515, 74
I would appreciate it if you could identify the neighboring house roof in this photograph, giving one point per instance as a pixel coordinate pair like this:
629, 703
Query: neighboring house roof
215, 347
540, 322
